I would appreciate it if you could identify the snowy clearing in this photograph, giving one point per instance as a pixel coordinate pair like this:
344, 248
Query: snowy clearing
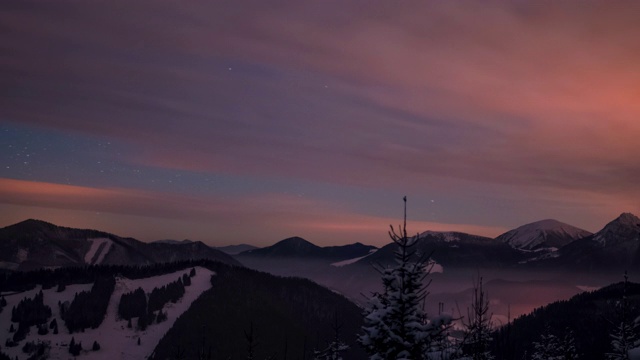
351, 261
115, 339
99, 248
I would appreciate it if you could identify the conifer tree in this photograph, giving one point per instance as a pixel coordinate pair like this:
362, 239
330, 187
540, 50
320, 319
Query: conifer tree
395, 325
335, 348
551, 347
478, 327
252, 342
623, 337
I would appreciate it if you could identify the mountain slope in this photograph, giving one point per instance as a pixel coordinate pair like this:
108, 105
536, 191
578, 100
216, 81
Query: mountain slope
34, 244
542, 234
614, 248
590, 316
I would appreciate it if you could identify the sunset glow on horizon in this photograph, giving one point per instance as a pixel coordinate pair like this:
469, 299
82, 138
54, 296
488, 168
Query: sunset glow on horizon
251, 121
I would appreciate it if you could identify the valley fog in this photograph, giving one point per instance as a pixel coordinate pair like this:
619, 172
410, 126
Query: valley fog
511, 292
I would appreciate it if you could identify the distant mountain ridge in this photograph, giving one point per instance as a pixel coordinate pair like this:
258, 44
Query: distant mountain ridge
543, 244
452, 249
547, 233
34, 244
616, 246
236, 249
297, 247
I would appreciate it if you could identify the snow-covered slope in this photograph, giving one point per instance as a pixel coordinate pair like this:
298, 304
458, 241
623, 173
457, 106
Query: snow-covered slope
624, 228
115, 339
542, 234
351, 261
99, 248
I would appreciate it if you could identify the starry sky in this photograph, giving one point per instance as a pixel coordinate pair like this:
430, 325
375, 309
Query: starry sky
251, 121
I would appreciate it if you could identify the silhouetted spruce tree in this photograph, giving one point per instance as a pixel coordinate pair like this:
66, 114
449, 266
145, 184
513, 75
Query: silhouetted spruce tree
478, 327
72, 345
143, 322
42, 329
252, 342
624, 336
335, 348
395, 325
95, 346
162, 316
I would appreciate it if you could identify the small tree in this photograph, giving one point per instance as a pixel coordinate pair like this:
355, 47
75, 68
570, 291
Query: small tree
478, 327
623, 336
335, 348
95, 346
186, 280
395, 324
252, 342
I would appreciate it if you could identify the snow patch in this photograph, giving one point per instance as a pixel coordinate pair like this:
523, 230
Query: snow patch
98, 250
588, 288
446, 236
351, 261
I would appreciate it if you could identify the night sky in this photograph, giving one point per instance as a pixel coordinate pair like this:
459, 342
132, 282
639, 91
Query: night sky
252, 121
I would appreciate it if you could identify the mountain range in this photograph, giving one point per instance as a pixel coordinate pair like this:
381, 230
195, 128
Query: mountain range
34, 244
548, 243
301, 248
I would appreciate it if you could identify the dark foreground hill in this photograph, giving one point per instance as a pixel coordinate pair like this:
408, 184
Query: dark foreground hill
289, 317
591, 316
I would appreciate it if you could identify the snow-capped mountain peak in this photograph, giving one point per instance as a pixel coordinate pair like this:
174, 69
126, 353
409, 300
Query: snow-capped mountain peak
546, 233
624, 227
